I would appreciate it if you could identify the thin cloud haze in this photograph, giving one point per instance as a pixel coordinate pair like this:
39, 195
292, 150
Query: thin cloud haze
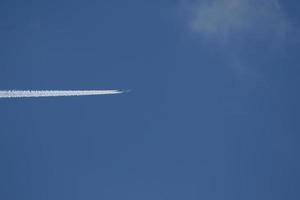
226, 19
244, 31
54, 93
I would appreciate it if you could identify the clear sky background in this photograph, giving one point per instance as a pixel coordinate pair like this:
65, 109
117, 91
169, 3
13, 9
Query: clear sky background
213, 111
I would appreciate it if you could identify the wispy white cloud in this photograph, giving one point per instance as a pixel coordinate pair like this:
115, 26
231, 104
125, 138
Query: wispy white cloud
227, 19
243, 30
54, 93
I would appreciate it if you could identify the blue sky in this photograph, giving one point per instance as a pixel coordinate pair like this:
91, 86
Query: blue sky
213, 111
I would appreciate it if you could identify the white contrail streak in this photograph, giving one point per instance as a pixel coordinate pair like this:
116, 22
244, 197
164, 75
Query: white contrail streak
54, 93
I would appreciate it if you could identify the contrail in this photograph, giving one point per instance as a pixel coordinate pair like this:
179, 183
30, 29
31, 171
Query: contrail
54, 93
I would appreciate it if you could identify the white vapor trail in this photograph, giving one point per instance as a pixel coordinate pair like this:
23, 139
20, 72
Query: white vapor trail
54, 93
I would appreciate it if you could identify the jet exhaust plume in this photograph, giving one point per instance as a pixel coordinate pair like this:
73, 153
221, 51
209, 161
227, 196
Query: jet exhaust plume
54, 93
